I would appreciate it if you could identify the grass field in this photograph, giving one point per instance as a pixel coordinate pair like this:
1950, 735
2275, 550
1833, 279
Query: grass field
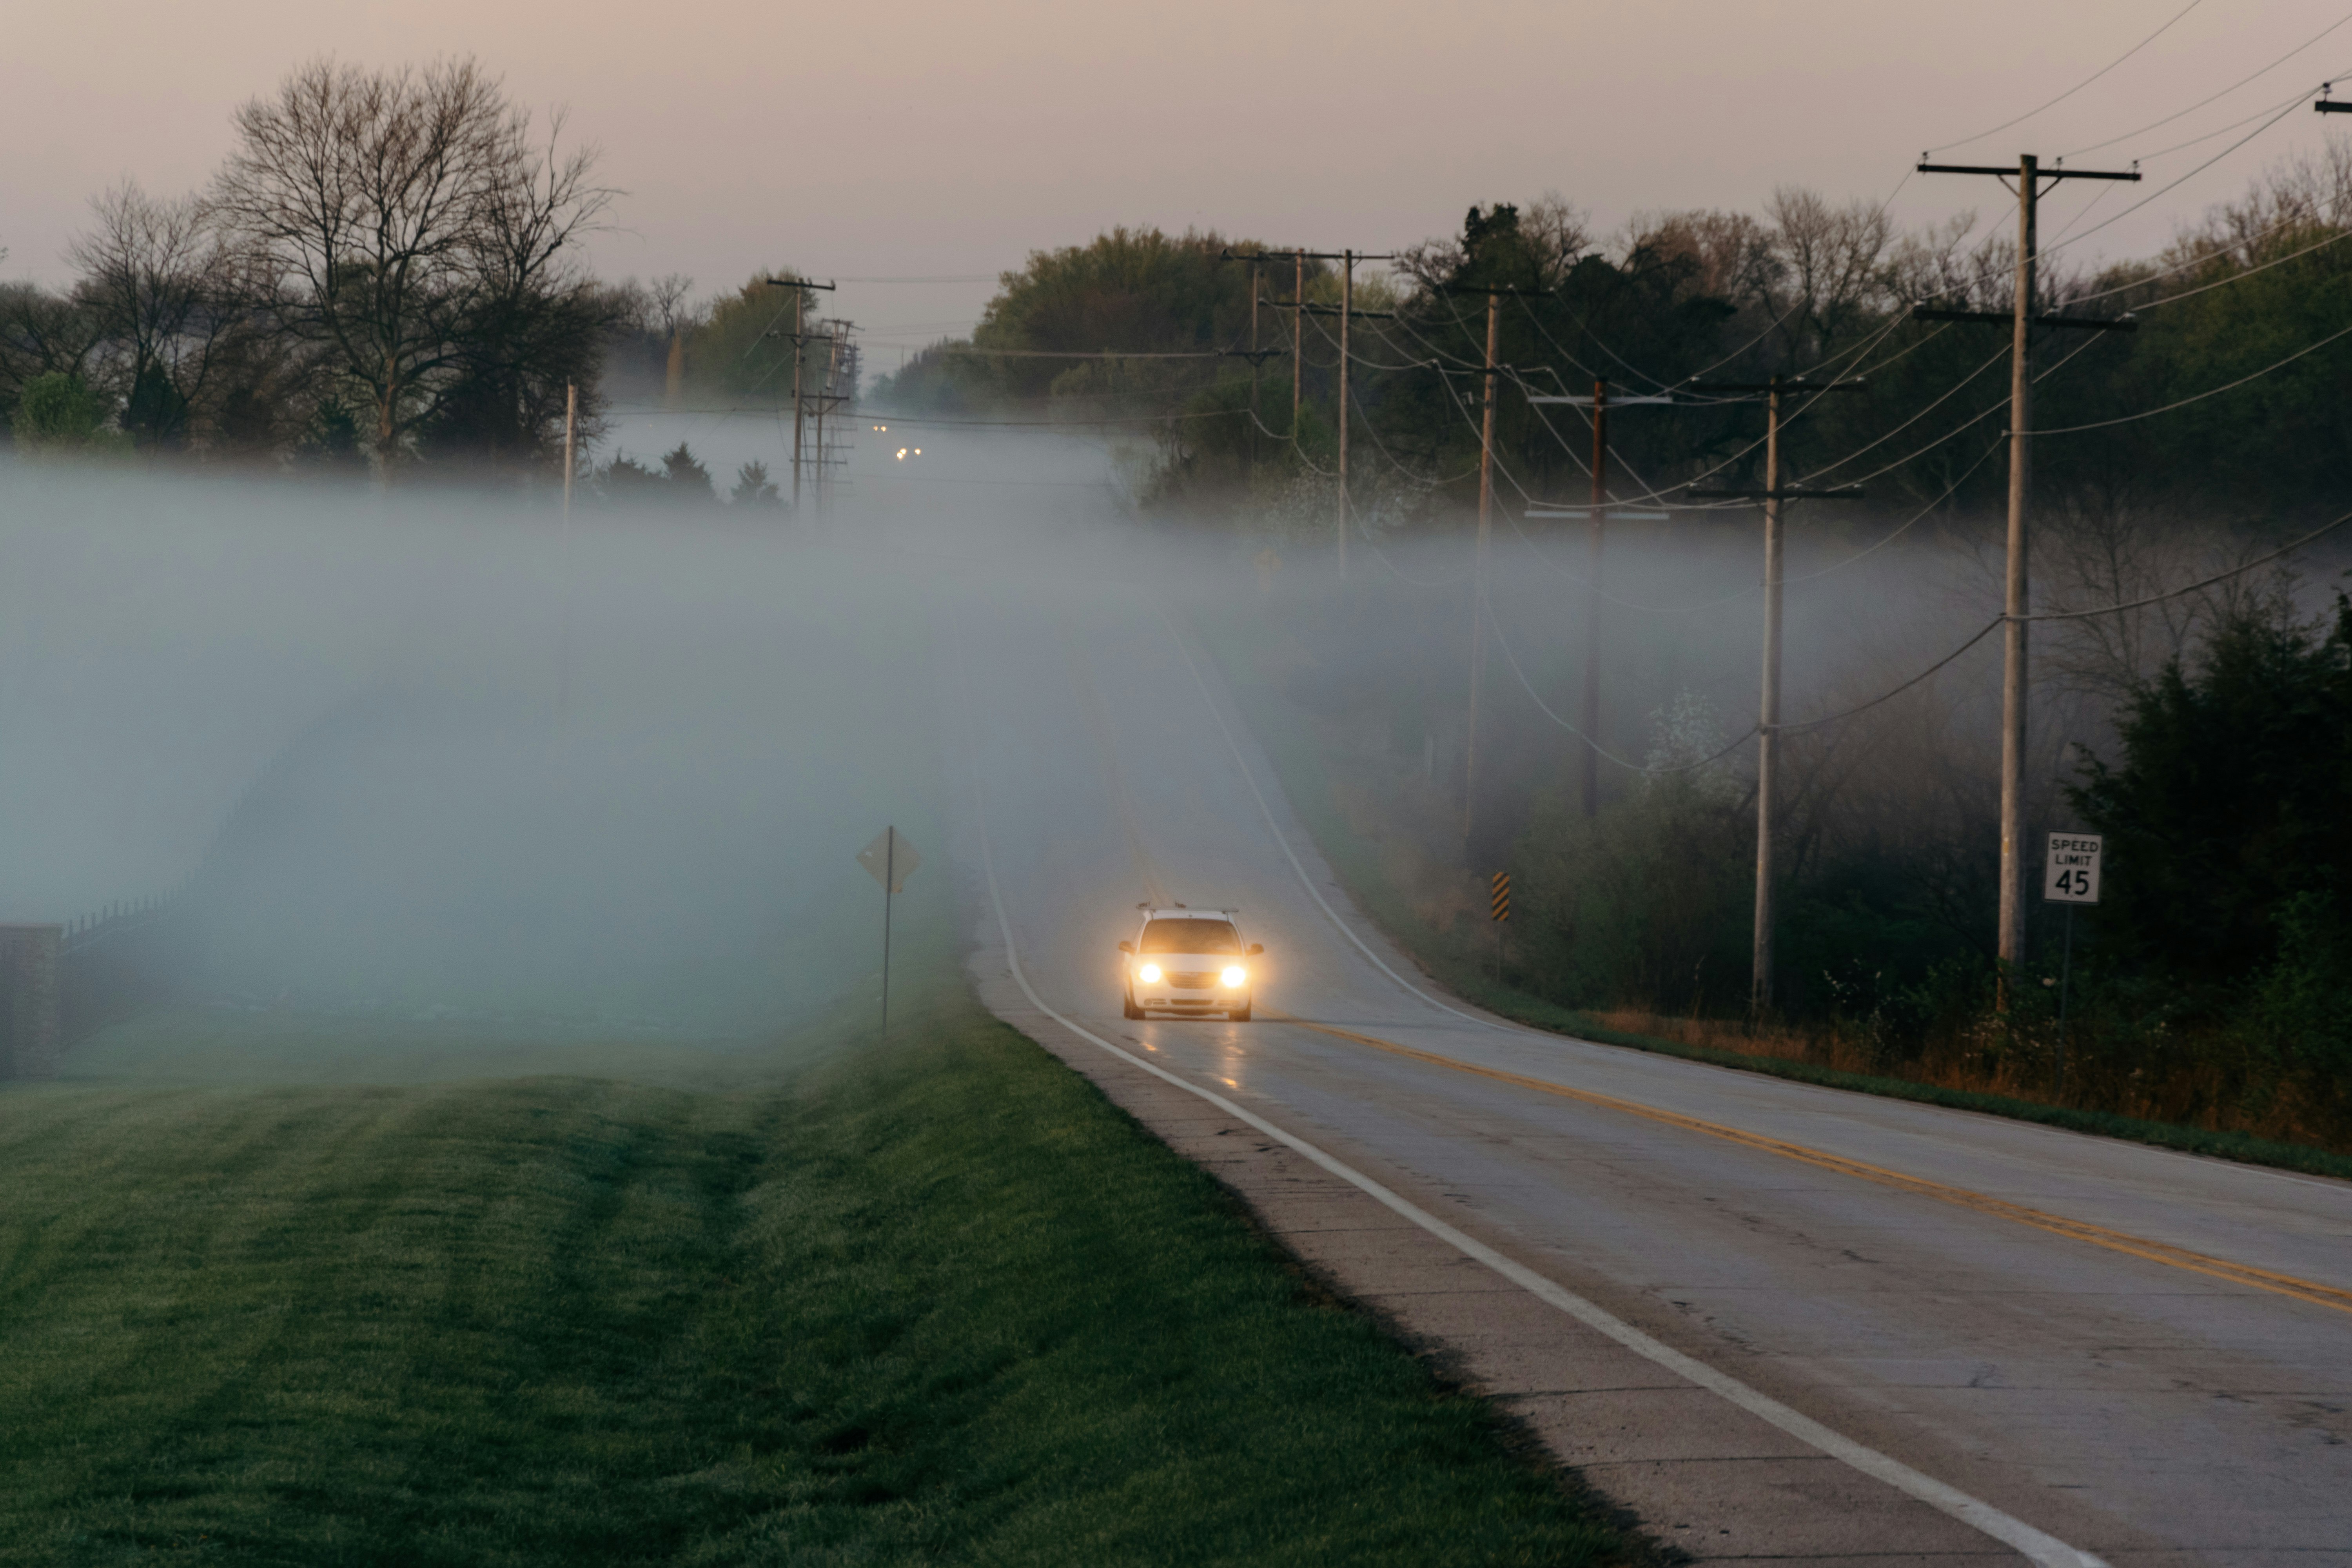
933, 1301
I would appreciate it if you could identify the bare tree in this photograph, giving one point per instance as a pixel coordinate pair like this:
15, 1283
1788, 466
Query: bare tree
399, 213
668, 294
1830, 270
41, 334
159, 289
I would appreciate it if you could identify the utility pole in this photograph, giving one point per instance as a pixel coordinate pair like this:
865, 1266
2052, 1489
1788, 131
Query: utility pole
1347, 312
1599, 403
570, 447
824, 405
2016, 604
1347, 309
1479, 573
798, 286
1297, 338
564, 553
1767, 723
1257, 366
797, 300
1478, 604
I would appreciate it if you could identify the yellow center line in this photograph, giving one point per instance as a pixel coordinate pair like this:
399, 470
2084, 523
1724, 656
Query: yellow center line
2162, 1252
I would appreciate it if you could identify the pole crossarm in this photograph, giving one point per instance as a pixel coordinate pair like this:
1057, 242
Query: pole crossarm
1850, 492
1314, 310
1493, 289
1668, 400
1765, 388
2047, 319
1229, 254
1255, 356
2009, 170
1584, 514
800, 283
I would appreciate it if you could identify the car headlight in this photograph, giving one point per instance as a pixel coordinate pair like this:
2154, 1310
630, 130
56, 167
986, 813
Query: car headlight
1234, 976
1148, 974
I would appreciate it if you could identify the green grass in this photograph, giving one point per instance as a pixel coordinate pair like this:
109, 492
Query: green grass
933, 1301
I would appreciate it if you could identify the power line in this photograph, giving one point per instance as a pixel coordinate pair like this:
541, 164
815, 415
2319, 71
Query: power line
2192, 173
1595, 747
2240, 571
1905, 525
2201, 396
2098, 146
2202, 584
2077, 87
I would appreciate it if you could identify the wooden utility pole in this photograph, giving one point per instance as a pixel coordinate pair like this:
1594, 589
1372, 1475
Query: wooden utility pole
1599, 403
1768, 712
1347, 310
1479, 573
1768, 721
2015, 599
1257, 365
799, 287
1590, 779
798, 298
563, 554
1297, 335
570, 447
823, 404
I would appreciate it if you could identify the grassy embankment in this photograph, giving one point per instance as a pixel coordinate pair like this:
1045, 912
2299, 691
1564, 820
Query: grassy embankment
1377, 869
826, 1299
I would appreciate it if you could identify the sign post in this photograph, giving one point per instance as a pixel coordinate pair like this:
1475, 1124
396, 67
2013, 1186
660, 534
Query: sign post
2070, 875
890, 859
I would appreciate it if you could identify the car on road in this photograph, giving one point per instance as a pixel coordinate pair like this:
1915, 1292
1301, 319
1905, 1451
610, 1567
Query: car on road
1191, 962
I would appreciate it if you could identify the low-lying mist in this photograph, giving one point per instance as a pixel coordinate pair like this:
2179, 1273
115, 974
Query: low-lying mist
441, 755
435, 755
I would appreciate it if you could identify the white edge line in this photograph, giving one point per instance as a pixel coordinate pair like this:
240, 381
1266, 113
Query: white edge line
1283, 842
1304, 879
2036, 1546
1946, 1499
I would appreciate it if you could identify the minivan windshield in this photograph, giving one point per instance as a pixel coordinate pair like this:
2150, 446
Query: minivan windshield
1190, 936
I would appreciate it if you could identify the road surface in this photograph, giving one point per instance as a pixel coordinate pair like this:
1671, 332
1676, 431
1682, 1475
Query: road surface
1963, 1337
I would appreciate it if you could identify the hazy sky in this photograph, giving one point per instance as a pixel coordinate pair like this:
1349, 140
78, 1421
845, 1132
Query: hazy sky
922, 140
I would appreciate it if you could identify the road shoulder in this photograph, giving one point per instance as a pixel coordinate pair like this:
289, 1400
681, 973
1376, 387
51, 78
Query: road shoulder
1699, 1474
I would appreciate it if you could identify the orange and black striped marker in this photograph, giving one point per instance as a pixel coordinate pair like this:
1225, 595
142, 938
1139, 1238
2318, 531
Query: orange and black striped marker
1502, 895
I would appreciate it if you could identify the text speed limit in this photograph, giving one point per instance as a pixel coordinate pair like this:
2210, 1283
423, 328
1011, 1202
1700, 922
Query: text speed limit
2070, 874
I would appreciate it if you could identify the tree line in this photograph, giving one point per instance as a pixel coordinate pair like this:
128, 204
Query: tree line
385, 275
1805, 287
2208, 735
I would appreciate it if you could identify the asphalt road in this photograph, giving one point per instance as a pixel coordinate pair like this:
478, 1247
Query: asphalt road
2145, 1356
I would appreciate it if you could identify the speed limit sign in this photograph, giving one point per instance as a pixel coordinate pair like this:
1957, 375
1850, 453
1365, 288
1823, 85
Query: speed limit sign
2071, 873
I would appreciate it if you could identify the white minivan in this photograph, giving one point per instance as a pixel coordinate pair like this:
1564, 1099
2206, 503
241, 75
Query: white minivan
1190, 962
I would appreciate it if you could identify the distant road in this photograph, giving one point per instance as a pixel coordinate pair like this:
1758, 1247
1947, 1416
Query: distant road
2106, 1350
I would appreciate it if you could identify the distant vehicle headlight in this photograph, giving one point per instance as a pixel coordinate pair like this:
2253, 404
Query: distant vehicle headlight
1148, 974
1234, 976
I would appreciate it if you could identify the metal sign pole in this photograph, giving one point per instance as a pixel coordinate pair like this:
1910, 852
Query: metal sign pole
2070, 875
880, 859
2066, 973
